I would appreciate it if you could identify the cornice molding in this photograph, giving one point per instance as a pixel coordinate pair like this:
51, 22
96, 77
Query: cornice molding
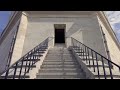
58, 14
106, 23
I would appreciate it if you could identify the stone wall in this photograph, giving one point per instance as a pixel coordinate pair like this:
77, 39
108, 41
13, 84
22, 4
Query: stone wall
84, 29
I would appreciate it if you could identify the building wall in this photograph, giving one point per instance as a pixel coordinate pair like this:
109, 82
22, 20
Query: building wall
84, 29
5, 47
112, 47
92, 36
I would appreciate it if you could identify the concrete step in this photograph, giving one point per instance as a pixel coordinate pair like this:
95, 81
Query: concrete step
31, 60
16, 76
71, 59
34, 66
60, 63
84, 57
39, 52
107, 72
59, 60
107, 77
59, 52
60, 73
60, 56
91, 60
83, 54
95, 63
36, 55
67, 58
58, 66
96, 66
60, 69
96, 70
60, 77
66, 55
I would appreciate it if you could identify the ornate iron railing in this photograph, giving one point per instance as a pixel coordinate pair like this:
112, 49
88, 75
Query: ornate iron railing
89, 55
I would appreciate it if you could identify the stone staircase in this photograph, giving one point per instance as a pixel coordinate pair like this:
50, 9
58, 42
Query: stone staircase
76, 62
60, 64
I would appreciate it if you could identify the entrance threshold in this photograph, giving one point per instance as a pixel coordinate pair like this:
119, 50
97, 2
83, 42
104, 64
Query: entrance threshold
60, 45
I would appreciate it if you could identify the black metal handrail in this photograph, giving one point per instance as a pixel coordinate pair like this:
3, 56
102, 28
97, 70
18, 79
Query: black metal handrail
82, 49
27, 61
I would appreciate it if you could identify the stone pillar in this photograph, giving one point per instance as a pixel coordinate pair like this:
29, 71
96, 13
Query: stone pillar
18, 48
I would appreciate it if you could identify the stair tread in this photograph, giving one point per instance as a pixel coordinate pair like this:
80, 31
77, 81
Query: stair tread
98, 66
60, 77
60, 66
60, 69
34, 66
59, 73
60, 63
108, 76
16, 76
43, 70
31, 60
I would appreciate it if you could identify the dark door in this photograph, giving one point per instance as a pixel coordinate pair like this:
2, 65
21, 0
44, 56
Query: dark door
59, 36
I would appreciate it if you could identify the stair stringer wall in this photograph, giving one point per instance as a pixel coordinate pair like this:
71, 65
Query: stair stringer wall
88, 73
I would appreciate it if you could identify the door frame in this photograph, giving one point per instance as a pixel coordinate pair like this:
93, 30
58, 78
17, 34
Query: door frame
60, 26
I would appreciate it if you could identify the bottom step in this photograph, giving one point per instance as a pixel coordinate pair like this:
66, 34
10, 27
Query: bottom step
107, 77
59, 77
16, 77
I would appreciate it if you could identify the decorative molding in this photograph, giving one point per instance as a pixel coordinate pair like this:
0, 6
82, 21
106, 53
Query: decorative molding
58, 14
107, 25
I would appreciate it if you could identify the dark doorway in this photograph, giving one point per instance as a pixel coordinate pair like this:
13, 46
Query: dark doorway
59, 36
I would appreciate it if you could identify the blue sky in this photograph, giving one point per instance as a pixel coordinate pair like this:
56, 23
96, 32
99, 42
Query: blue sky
113, 17
4, 17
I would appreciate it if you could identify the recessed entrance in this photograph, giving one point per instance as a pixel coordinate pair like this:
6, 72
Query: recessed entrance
59, 36
59, 33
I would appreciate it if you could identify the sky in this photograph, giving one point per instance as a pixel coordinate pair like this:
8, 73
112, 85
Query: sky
113, 18
4, 17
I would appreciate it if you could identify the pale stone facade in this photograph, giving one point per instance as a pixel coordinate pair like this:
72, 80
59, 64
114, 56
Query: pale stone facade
112, 42
37, 26
18, 48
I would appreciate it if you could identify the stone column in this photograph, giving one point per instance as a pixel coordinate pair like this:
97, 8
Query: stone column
18, 48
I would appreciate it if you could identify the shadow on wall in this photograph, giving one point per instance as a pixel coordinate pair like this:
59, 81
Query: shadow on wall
74, 28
